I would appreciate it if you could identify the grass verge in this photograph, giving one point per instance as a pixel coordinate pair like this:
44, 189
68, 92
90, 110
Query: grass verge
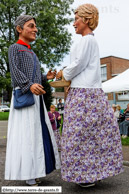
4, 116
125, 141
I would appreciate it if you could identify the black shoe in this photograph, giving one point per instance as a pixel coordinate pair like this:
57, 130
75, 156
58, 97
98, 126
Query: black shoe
86, 184
38, 181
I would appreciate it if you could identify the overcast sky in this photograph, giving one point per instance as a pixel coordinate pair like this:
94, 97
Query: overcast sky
112, 33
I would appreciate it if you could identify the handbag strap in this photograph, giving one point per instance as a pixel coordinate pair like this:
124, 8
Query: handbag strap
34, 70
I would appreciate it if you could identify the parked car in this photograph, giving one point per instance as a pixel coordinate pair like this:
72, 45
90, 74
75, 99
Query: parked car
4, 108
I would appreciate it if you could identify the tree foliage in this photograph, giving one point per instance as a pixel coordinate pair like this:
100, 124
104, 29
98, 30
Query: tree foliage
59, 90
48, 98
53, 39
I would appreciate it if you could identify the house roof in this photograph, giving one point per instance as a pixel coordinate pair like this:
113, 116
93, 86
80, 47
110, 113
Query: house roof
114, 57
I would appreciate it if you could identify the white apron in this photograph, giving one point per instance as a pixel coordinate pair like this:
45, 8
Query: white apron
25, 153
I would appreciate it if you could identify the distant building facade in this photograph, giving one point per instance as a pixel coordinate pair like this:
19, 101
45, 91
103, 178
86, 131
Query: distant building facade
110, 67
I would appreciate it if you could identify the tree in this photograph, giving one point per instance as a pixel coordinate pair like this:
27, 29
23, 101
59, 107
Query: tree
53, 40
48, 96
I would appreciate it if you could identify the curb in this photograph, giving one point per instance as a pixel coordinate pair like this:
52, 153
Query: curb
126, 163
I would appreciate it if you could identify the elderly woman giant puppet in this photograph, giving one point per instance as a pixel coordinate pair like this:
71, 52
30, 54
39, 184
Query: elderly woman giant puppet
31, 147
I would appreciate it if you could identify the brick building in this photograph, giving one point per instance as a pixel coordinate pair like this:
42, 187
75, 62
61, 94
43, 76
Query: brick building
110, 67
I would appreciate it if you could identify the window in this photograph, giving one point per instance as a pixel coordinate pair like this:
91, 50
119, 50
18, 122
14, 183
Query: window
104, 72
123, 95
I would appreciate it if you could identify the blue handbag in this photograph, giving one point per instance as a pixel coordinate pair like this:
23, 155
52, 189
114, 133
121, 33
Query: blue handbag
27, 99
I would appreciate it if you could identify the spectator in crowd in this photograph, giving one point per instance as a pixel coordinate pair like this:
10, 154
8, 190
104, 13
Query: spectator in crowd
60, 105
121, 115
116, 111
124, 126
55, 118
121, 111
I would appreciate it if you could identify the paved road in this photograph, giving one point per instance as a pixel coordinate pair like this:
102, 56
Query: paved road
3, 129
114, 185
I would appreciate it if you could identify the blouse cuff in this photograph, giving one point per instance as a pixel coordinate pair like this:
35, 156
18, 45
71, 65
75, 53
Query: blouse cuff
27, 87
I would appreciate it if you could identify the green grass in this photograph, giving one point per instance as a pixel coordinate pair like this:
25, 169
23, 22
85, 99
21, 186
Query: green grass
4, 116
125, 141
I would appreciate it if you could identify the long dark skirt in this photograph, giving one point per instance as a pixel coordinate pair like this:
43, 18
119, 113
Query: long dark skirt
48, 149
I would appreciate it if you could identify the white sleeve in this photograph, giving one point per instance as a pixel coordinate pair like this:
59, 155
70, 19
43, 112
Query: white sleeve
81, 60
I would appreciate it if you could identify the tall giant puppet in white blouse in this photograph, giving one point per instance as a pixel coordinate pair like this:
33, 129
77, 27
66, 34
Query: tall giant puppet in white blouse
91, 144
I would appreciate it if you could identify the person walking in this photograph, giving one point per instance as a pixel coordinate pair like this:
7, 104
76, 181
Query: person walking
60, 107
90, 145
31, 147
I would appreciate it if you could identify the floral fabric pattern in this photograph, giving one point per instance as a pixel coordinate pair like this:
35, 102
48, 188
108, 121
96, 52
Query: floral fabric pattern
57, 137
90, 145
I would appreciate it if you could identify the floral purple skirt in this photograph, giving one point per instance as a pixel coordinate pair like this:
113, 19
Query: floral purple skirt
57, 137
91, 145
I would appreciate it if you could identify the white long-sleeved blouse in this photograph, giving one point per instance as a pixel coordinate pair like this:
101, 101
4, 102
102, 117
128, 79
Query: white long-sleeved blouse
84, 69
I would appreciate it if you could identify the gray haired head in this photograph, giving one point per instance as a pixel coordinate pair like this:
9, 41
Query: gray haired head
21, 20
